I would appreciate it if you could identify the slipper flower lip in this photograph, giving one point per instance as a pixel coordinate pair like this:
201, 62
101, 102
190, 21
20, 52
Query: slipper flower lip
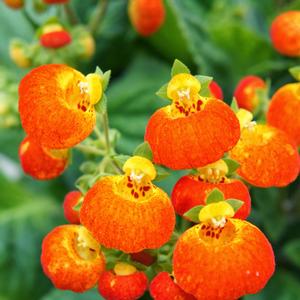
177, 132
40, 162
56, 105
123, 282
217, 262
70, 201
71, 258
267, 156
285, 33
127, 212
284, 110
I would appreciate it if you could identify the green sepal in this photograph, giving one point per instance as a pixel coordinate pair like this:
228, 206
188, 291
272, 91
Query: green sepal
193, 213
162, 92
82, 183
178, 68
101, 105
232, 165
205, 82
295, 72
120, 160
234, 105
88, 167
236, 204
77, 207
144, 150
161, 173
105, 79
214, 196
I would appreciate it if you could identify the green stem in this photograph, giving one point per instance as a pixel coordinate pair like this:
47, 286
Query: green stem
96, 20
89, 150
98, 133
29, 19
70, 14
106, 132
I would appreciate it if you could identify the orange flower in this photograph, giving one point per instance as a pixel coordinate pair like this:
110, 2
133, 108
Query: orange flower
285, 33
245, 92
284, 110
14, 4
146, 16
192, 190
71, 258
163, 287
223, 263
267, 156
193, 131
215, 90
128, 212
54, 36
56, 105
71, 200
41, 162
123, 283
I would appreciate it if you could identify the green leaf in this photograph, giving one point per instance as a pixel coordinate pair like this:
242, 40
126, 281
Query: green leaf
105, 79
295, 72
161, 173
193, 213
205, 82
144, 150
234, 105
101, 105
214, 196
235, 203
178, 68
162, 92
232, 165
120, 160
292, 252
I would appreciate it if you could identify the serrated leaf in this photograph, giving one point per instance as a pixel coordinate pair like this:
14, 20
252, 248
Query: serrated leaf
295, 72
179, 67
193, 213
214, 196
144, 150
120, 160
101, 105
161, 173
106, 79
232, 165
234, 105
162, 92
236, 204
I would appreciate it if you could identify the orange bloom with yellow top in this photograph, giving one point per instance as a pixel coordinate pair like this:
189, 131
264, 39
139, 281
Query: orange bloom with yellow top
127, 212
56, 105
285, 33
222, 258
40, 162
193, 131
71, 258
267, 156
192, 190
284, 110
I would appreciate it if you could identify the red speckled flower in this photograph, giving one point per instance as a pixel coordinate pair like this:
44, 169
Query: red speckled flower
71, 258
267, 156
127, 212
192, 190
193, 131
285, 33
245, 92
163, 287
146, 16
215, 90
123, 283
40, 162
71, 200
56, 105
284, 110
55, 39
223, 263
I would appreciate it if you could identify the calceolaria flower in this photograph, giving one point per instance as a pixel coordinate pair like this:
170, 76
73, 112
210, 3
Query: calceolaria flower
56, 105
222, 258
54, 36
192, 190
128, 212
72, 199
71, 258
193, 131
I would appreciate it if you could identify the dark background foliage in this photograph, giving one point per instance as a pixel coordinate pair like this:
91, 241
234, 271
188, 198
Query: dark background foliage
224, 39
